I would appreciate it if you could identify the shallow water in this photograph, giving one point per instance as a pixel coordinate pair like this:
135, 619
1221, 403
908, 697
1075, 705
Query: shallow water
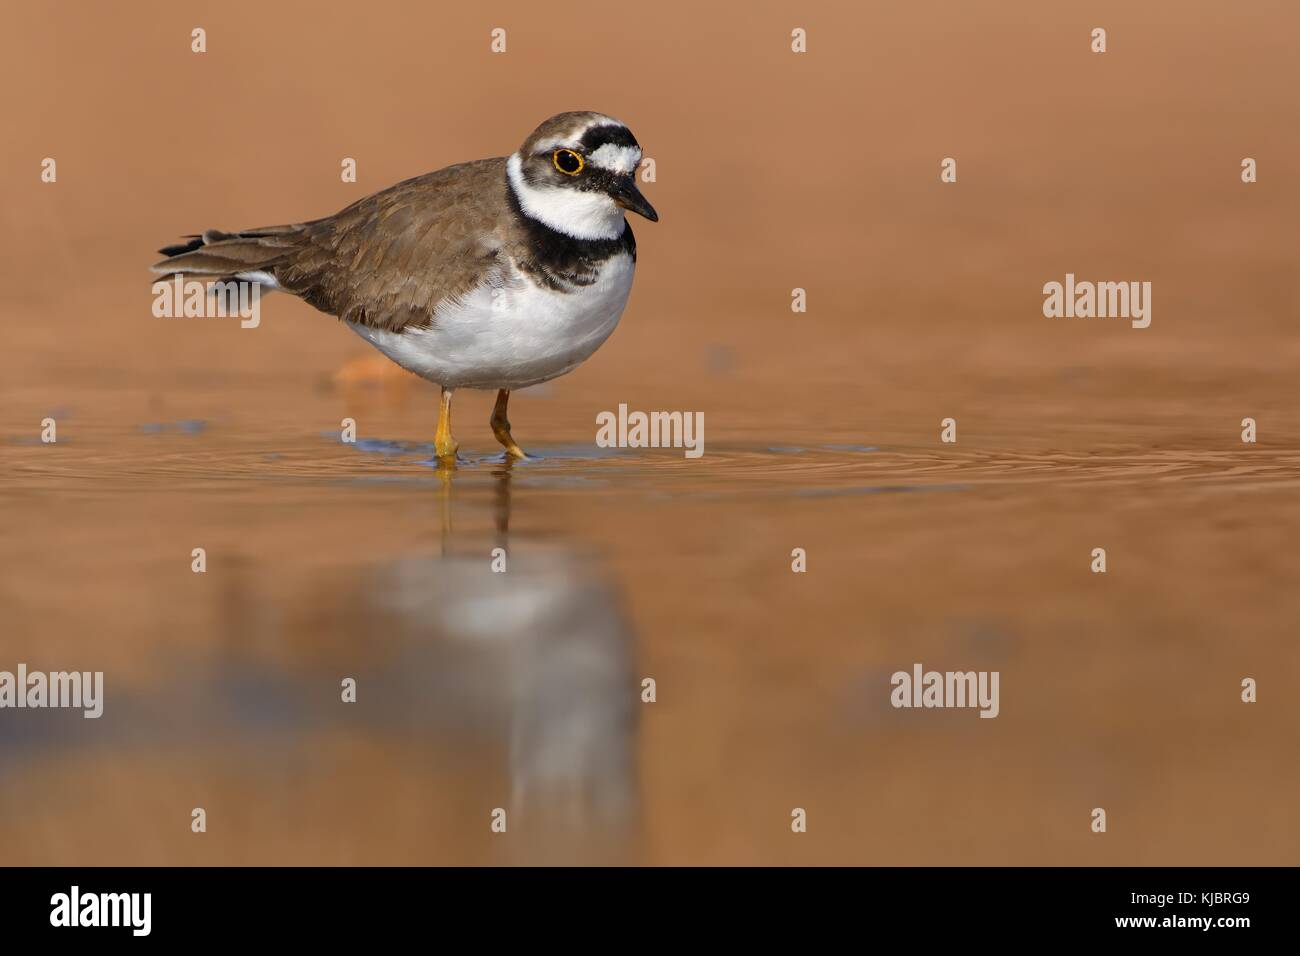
521, 690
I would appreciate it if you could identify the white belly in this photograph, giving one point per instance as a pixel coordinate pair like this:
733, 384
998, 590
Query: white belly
513, 336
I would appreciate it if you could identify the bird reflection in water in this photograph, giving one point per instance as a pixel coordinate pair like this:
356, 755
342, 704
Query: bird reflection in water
530, 634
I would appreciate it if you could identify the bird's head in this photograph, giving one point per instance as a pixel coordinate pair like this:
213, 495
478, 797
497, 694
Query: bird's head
576, 173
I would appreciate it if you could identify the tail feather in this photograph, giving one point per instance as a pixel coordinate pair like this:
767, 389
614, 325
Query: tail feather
226, 254
176, 250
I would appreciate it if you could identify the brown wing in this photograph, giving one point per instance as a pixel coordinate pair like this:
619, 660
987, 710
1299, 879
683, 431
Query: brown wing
387, 260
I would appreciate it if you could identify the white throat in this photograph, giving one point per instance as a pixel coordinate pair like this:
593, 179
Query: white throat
574, 212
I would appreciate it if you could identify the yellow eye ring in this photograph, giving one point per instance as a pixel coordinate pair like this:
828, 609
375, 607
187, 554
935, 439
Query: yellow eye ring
567, 162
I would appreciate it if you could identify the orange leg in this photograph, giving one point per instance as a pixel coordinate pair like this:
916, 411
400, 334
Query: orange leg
501, 425
443, 444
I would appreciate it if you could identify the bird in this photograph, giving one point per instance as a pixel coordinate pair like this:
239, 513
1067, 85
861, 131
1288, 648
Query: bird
497, 274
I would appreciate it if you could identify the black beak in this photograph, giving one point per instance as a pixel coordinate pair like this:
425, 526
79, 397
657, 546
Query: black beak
629, 197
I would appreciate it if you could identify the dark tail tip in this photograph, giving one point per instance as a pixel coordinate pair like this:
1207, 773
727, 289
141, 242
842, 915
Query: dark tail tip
194, 243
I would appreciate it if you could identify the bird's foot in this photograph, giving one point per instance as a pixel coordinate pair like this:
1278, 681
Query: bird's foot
445, 447
507, 442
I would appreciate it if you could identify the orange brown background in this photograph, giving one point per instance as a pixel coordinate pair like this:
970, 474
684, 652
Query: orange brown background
774, 171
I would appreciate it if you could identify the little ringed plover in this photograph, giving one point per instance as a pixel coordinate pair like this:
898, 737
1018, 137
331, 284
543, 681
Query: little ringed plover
494, 274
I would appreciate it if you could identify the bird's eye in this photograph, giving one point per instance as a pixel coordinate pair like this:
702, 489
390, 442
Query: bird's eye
567, 162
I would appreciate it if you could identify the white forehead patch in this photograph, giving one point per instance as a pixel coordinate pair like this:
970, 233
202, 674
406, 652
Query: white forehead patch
617, 159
